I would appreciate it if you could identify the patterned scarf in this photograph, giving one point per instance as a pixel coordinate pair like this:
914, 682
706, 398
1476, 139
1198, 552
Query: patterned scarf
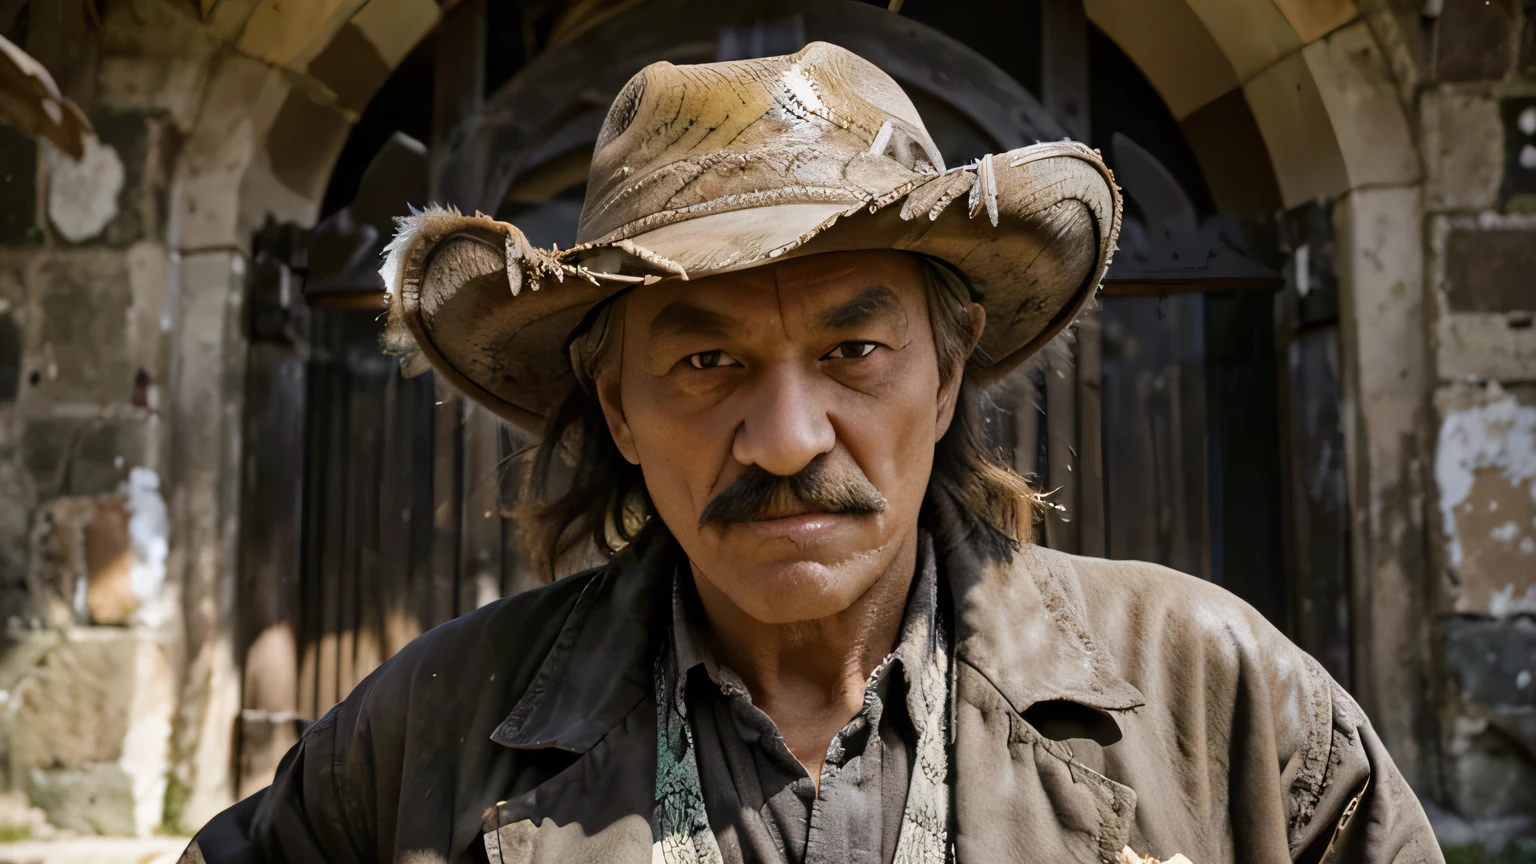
680, 826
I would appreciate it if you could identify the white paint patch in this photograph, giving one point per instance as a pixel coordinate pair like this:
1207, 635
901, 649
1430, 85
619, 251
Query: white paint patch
1505, 533
1523, 679
148, 532
1527, 121
1505, 602
147, 742
1499, 435
82, 196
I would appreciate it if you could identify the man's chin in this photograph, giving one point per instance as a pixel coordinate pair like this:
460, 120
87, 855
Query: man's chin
805, 587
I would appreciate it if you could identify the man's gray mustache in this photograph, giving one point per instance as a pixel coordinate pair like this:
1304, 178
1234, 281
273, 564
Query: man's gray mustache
820, 486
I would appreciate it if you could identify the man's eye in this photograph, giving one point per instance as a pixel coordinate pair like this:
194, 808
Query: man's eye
851, 350
711, 360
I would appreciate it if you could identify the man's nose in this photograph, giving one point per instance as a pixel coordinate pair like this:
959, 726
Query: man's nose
784, 425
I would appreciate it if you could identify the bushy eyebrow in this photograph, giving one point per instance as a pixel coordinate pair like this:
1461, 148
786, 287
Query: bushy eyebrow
683, 318
871, 303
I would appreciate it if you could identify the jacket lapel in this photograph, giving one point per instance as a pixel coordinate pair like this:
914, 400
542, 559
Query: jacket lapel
1023, 654
593, 696
596, 810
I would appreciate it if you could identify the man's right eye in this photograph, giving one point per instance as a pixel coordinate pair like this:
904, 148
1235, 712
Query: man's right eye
711, 360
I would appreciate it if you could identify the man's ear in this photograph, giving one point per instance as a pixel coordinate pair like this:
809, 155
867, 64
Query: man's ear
607, 387
949, 391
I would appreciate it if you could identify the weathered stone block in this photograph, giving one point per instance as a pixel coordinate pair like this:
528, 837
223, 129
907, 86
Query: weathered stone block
1476, 41
1365, 116
1488, 774
69, 456
1470, 345
1490, 270
1485, 489
94, 800
1492, 663
17, 499
73, 707
85, 300
13, 318
18, 189
1492, 666
117, 193
1462, 141
109, 561
88, 720
173, 85
113, 548
239, 103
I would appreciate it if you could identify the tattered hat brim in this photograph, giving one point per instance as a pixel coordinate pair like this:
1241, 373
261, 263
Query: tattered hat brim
1032, 231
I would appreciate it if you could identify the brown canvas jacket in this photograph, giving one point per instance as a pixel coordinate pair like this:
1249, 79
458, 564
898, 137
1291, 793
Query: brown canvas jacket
1097, 705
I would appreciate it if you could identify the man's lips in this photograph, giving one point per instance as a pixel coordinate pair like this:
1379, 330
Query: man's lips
797, 527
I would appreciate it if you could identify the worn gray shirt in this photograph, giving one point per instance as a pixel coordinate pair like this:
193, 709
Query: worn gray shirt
763, 806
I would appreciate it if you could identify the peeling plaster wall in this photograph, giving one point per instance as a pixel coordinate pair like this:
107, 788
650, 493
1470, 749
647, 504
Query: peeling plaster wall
1480, 300
1485, 473
122, 280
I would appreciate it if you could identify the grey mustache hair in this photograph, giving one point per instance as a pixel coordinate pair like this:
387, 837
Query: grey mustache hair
820, 486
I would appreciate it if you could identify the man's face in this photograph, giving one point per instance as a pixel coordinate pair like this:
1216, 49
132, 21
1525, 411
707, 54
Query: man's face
822, 370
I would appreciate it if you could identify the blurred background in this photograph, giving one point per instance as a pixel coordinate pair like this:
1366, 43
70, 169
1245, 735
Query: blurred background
1311, 377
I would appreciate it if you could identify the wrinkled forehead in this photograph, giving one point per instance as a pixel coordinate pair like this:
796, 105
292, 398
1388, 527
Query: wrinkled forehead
800, 292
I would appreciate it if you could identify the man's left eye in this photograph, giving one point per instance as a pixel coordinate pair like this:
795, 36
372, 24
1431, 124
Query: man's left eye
851, 350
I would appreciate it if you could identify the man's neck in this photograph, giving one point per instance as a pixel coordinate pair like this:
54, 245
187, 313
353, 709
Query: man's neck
810, 676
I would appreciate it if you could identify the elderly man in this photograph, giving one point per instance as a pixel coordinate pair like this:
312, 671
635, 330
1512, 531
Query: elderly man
823, 635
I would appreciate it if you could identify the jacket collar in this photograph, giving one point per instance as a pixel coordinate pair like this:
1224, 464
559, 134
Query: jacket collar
1017, 622
600, 665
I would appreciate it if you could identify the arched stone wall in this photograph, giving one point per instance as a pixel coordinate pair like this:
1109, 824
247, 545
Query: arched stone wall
123, 279
1319, 94
284, 85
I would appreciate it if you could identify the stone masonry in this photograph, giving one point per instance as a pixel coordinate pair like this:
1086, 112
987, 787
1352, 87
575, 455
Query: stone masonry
122, 351
1477, 116
122, 279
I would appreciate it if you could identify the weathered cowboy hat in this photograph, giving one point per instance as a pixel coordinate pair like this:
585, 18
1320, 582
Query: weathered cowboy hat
723, 166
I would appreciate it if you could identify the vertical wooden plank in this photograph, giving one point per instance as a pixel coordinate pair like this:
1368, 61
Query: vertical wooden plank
1061, 451
400, 625
316, 470
271, 559
1316, 511
1090, 427
1244, 406
458, 93
1187, 530
1319, 504
480, 555
351, 539
423, 504
447, 498
332, 526
372, 372
1064, 91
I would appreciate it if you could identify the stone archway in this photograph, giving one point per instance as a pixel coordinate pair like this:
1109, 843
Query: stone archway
1320, 94
270, 99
